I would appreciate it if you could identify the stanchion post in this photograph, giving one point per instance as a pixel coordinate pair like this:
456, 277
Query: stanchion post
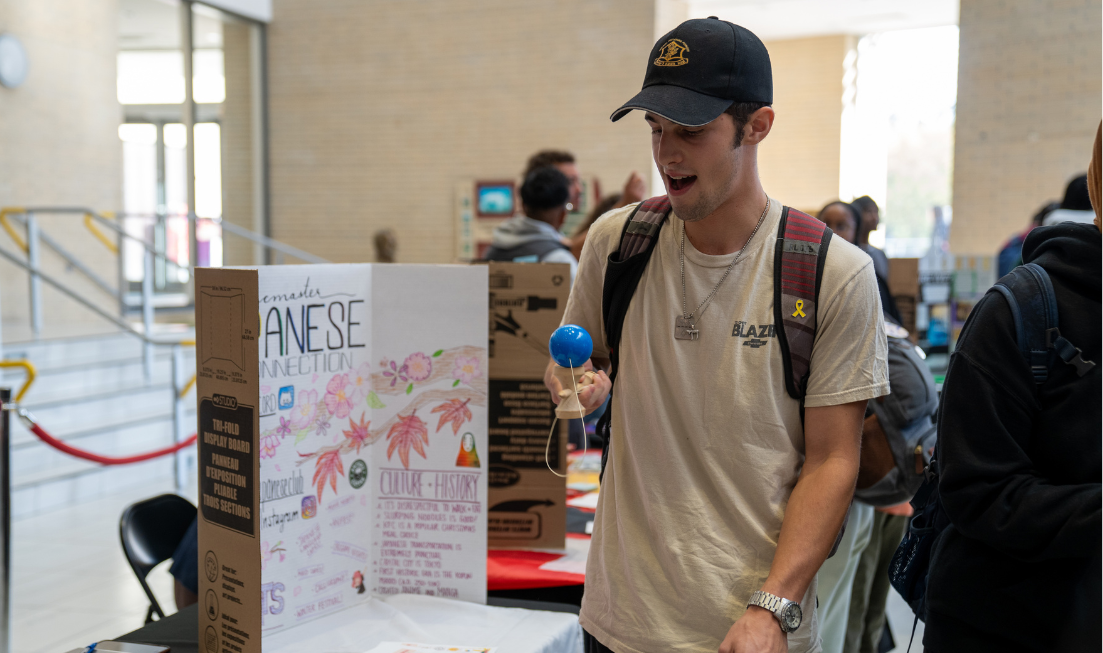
34, 260
180, 459
5, 520
147, 312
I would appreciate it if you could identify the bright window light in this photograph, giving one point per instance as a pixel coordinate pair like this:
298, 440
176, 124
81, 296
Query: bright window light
150, 77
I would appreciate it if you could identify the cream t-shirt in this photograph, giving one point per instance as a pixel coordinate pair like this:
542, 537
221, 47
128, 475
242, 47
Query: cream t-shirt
707, 444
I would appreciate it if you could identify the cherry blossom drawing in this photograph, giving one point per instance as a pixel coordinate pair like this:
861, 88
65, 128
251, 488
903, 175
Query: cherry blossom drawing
268, 444
418, 366
284, 429
361, 382
395, 374
454, 411
466, 370
304, 412
338, 400
408, 432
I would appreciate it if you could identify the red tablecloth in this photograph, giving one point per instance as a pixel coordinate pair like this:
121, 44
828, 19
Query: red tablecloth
519, 570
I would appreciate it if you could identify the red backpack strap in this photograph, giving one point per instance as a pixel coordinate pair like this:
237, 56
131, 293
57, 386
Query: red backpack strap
798, 269
643, 226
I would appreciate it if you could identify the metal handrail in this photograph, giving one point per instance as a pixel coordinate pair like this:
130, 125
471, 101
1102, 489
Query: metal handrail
84, 302
6, 224
31, 374
91, 226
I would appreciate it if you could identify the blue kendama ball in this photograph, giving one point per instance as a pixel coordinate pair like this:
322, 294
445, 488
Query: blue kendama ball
570, 346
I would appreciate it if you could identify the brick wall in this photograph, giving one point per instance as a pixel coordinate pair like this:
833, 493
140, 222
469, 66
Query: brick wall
238, 130
799, 160
1029, 87
378, 107
59, 142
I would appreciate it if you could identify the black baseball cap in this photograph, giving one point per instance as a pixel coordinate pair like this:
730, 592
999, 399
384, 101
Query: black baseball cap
701, 68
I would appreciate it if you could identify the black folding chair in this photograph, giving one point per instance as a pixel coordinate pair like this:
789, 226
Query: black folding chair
150, 531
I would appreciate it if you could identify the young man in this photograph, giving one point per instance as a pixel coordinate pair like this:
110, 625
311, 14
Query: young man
714, 491
534, 237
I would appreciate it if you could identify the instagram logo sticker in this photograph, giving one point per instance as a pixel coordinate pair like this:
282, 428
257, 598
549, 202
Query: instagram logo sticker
310, 507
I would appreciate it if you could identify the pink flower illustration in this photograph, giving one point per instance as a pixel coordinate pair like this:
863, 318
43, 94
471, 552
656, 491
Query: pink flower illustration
466, 369
303, 414
338, 400
396, 373
284, 429
361, 382
418, 366
268, 444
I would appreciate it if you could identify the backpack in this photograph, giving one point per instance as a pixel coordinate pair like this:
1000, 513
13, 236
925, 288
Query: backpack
1029, 294
894, 457
530, 252
799, 257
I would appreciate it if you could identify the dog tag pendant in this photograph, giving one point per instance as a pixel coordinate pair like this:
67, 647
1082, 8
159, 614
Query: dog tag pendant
685, 329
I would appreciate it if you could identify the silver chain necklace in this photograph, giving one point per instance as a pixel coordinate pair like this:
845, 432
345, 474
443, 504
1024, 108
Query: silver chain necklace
685, 326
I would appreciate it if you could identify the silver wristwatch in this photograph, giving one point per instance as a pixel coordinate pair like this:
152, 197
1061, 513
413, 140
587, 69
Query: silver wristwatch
787, 613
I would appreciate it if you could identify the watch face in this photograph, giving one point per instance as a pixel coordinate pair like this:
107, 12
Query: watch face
791, 616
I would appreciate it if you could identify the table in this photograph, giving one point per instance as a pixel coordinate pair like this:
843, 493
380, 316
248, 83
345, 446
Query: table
407, 617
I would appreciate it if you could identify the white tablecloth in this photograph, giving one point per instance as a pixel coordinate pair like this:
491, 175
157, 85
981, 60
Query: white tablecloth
431, 620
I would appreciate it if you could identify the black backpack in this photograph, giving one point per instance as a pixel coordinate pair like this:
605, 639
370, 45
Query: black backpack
799, 256
1029, 294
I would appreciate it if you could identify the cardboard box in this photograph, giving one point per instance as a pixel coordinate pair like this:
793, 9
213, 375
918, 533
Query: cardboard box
342, 447
904, 276
527, 501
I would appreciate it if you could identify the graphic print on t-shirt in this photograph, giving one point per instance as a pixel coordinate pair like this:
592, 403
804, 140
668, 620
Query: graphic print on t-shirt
753, 334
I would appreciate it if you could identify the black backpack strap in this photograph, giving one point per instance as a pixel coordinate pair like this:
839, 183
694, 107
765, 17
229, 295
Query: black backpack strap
799, 257
1029, 294
623, 271
626, 265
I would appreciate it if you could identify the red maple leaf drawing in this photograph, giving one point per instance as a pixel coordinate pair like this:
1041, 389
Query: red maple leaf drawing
454, 411
407, 432
326, 467
358, 433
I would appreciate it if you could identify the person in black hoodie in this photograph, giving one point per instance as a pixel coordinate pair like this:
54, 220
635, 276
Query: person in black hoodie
1019, 568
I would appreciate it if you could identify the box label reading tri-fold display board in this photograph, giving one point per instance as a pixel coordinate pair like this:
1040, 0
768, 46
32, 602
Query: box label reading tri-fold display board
343, 442
527, 501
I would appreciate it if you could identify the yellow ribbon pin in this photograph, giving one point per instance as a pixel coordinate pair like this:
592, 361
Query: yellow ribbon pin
800, 309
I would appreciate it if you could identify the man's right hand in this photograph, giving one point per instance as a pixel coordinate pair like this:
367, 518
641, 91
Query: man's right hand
591, 397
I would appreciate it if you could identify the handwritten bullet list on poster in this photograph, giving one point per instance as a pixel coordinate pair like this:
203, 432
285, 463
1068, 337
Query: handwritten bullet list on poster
416, 513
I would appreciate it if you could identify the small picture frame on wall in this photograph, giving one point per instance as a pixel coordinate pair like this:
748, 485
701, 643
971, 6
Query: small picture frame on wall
495, 199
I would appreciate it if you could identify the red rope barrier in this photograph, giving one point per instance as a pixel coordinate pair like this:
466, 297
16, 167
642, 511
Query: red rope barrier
107, 460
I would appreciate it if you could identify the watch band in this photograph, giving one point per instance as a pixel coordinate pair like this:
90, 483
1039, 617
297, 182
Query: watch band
774, 604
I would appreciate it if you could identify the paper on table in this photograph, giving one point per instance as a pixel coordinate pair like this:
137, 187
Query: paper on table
578, 549
585, 501
399, 647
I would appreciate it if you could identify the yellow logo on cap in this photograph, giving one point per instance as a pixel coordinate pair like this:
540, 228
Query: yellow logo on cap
673, 53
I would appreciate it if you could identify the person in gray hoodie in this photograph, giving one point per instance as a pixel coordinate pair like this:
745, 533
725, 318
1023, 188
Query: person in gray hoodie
534, 236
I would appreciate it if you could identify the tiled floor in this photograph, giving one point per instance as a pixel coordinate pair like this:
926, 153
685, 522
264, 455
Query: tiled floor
71, 584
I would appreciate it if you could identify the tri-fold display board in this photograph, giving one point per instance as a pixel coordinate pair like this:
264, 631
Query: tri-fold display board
342, 441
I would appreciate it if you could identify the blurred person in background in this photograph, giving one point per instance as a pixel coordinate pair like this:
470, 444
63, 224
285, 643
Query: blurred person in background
634, 187
853, 584
871, 219
1075, 206
534, 237
1011, 254
1018, 567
